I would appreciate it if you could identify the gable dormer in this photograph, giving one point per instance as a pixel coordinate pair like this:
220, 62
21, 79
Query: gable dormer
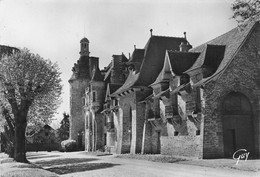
207, 63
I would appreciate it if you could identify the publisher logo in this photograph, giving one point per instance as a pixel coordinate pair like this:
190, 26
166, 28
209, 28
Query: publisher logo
241, 154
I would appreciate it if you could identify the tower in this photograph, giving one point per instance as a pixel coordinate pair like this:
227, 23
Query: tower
79, 81
84, 47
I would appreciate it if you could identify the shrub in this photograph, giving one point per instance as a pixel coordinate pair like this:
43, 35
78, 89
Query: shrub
68, 145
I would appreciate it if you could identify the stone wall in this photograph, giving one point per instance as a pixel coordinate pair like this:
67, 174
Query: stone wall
77, 119
118, 74
138, 126
181, 146
99, 132
182, 141
184, 136
242, 75
130, 123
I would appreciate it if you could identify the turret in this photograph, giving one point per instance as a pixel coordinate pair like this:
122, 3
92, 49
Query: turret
84, 47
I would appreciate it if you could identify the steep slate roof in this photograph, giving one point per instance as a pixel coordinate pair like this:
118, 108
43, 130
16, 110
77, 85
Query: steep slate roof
232, 41
130, 81
152, 62
121, 57
154, 56
114, 87
179, 62
137, 56
111, 88
97, 76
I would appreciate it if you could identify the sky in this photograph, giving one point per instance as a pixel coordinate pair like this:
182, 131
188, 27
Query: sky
53, 28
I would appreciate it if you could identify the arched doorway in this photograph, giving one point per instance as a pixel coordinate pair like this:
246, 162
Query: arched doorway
237, 124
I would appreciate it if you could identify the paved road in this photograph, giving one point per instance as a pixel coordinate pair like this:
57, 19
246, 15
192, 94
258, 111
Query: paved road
79, 164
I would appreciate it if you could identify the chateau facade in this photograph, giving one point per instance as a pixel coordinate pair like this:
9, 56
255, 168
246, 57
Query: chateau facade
169, 98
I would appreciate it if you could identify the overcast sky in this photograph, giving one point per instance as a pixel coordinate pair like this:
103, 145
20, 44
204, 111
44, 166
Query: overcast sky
53, 28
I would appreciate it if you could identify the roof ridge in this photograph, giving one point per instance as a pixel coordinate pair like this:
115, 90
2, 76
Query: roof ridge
207, 42
168, 36
189, 52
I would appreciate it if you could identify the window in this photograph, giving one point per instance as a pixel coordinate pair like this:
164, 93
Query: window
197, 132
115, 102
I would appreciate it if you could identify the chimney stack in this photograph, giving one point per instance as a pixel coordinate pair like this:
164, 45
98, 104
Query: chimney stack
185, 35
151, 31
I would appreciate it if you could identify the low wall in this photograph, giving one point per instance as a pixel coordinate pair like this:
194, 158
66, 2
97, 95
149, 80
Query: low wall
181, 146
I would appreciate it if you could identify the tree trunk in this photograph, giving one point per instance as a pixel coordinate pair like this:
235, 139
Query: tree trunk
20, 151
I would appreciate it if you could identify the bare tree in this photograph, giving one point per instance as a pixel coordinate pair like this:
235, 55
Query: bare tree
31, 87
246, 10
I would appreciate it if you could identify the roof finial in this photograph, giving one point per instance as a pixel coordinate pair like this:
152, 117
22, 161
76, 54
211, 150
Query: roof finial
184, 35
84, 30
151, 31
134, 46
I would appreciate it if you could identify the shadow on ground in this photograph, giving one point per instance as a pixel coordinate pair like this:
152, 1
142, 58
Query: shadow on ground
41, 157
29, 154
73, 168
64, 161
72, 165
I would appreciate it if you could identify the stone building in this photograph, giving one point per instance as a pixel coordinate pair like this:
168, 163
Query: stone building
96, 126
44, 139
205, 101
88, 85
79, 81
172, 99
94, 121
144, 66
